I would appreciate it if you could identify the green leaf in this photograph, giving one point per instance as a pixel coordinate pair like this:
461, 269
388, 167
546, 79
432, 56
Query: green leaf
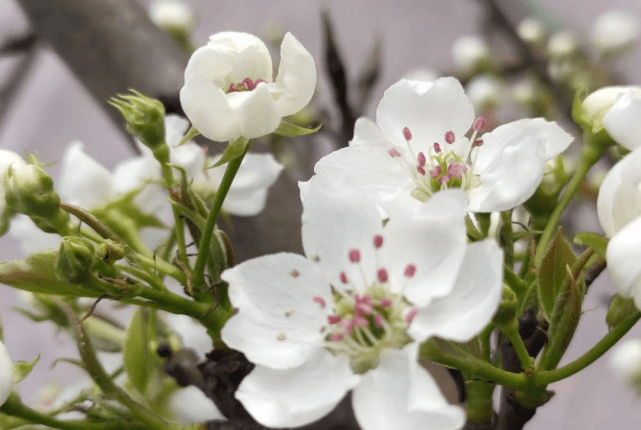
37, 274
287, 129
234, 149
594, 240
22, 369
553, 270
136, 353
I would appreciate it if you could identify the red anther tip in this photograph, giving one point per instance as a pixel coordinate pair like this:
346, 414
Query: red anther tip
421, 159
354, 255
479, 124
410, 270
382, 275
449, 137
407, 134
378, 241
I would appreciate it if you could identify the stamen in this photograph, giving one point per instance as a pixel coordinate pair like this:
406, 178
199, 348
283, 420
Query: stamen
479, 124
478, 142
333, 319
378, 320
407, 134
449, 137
320, 301
435, 171
394, 153
437, 147
336, 337
456, 170
420, 170
410, 271
382, 275
421, 159
281, 337
360, 321
384, 301
343, 277
378, 241
410, 316
354, 255
294, 273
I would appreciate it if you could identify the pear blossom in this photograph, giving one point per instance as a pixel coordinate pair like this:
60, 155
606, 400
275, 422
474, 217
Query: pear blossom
6, 374
229, 92
86, 183
7, 159
619, 211
621, 121
351, 315
418, 147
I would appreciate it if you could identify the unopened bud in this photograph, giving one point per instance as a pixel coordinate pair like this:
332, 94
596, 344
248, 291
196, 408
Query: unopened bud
75, 260
145, 117
110, 251
597, 104
470, 53
507, 307
614, 31
8, 159
625, 362
562, 44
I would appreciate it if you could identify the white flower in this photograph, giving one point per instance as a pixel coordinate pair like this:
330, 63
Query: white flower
615, 30
469, 52
619, 210
351, 314
622, 120
532, 31
418, 147
562, 44
625, 362
599, 103
172, 15
6, 374
229, 93
7, 159
484, 91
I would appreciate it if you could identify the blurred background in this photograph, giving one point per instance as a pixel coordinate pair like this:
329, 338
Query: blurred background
44, 105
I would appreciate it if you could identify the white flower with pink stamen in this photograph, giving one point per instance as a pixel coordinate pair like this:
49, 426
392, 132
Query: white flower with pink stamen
418, 147
229, 91
352, 315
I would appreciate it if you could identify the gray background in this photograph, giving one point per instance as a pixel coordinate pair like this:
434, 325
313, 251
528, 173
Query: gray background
53, 108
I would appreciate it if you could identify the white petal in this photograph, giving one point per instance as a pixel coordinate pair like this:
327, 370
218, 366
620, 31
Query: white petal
623, 256
625, 361
399, 394
6, 374
189, 156
622, 120
31, 238
471, 304
337, 218
83, 181
256, 111
206, 106
522, 134
510, 180
251, 56
192, 333
278, 324
189, 405
175, 129
619, 200
136, 172
296, 79
211, 63
427, 109
296, 396
433, 240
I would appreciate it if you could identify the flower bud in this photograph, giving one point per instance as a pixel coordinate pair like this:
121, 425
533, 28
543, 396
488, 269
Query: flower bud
8, 159
625, 362
470, 53
614, 31
145, 117
29, 190
75, 260
484, 91
562, 44
507, 307
173, 16
532, 31
598, 103
6, 374
110, 251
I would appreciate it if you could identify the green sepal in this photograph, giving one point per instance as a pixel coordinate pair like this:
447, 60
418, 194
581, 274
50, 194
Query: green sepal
552, 272
234, 149
619, 310
191, 133
287, 129
22, 369
594, 240
136, 353
37, 274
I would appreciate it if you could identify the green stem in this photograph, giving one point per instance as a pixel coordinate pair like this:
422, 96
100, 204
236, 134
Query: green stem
589, 156
160, 265
178, 221
511, 330
508, 238
478, 397
212, 218
15, 408
612, 337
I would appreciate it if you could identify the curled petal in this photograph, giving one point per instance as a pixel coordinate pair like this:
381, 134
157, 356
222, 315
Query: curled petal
296, 80
250, 55
255, 111
399, 394
622, 120
299, 395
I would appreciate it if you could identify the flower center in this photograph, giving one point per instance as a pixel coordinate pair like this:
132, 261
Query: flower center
363, 324
245, 85
446, 165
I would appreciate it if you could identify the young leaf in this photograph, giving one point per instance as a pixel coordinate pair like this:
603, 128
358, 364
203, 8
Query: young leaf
136, 353
553, 270
594, 241
22, 369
